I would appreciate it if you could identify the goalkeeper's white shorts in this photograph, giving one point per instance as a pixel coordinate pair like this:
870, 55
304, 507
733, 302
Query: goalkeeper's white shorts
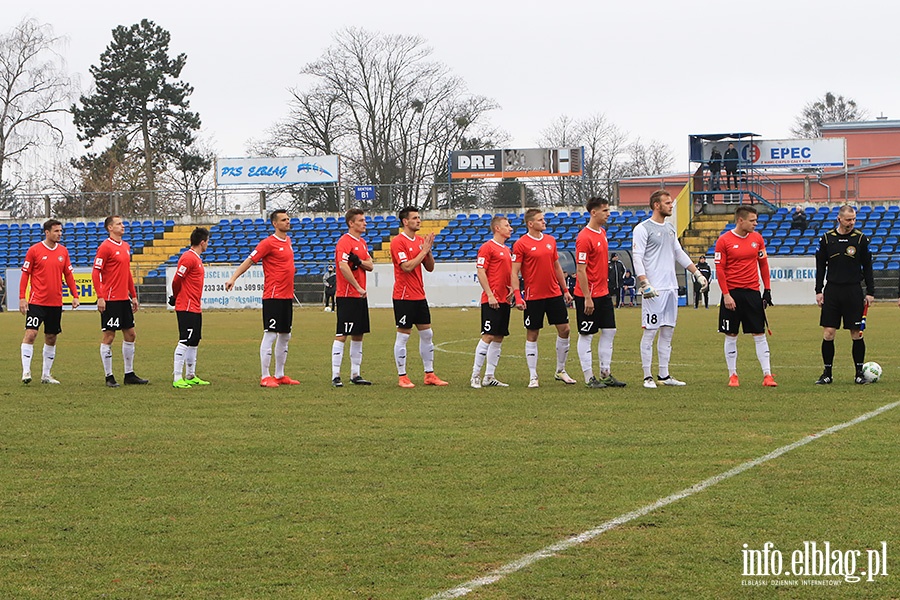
661, 311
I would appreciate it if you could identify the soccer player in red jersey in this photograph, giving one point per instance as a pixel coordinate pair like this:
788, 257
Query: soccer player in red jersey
116, 299
409, 253
493, 267
277, 256
46, 264
740, 260
535, 256
594, 306
352, 259
187, 291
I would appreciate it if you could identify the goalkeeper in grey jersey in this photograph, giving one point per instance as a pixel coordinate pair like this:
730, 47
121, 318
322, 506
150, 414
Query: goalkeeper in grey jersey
655, 250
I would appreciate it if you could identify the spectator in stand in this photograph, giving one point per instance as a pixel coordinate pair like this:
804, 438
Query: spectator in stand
798, 219
628, 288
731, 167
715, 169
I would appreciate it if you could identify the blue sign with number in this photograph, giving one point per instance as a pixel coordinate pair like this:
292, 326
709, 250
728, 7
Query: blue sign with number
365, 192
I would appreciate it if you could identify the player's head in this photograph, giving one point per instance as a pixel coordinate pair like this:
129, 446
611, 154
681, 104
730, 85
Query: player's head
352, 214
276, 215
280, 220
598, 207
534, 220
745, 219
500, 226
199, 235
846, 218
661, 202
110, 221
409, 218
52, 230
115, 226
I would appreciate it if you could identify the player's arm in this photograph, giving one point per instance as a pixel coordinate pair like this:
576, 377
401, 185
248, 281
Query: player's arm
347, 273
868, 275
721, 261
367, 264
242, 268
584, 286
70, 282
486, 286
638, 245
422, 258
516, 267
23, 283
97, 281
561, 279
821, 268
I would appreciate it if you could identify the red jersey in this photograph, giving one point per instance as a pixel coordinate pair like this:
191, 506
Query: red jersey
277, 258
592, 250
345, 246
740, 261
496, 261
187, 285
537, 257
407, 286
46, 267
112, 271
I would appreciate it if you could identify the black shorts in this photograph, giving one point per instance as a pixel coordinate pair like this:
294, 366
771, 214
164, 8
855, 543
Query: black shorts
842, 302
603, 317
190, 326
49, 316
352, 316
278, 314
748, 313
554, 308
411, 312
495, 321
118, 316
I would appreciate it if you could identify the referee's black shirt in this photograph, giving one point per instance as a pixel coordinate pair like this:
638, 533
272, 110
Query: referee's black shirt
846, 258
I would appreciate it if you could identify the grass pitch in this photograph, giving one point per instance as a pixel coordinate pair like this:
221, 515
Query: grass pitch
233, 491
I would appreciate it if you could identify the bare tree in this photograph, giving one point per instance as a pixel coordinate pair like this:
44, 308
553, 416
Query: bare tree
829, 109
34, 87
391, 111
654, 158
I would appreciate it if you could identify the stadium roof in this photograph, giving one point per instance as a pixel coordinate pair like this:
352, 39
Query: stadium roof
715, 137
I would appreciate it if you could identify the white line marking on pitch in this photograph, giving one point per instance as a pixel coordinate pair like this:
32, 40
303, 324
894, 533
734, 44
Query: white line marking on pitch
563, 545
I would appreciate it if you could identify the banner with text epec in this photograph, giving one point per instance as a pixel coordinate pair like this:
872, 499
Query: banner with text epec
531, 162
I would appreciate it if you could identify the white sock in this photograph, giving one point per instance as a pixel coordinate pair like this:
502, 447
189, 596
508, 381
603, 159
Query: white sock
493, 358
605, 350
762, 353
531, 358
178, 363
355, 358
265, 351
337, 357
731, 354
49, 354
400, 352
664, 349
27, 353
106, 358
647, 351
426, 349
481, 351
190, 362
128, 356
281, 352
562, 353
585, 355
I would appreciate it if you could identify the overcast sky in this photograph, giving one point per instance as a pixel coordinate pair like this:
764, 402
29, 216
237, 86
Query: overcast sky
658, 69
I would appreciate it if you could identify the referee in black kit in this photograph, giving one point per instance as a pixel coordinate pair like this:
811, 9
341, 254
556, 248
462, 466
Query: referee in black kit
843, 258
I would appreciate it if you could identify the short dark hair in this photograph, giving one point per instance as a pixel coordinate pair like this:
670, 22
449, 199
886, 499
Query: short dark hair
50, 224
352, 213
595, 202
108, 221
273, 216
743, 211
532, 213
656, 197
199, 234
404, 212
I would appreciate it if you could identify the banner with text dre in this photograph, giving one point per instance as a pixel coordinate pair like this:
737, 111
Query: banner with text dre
279, 170
531, 162
785, 154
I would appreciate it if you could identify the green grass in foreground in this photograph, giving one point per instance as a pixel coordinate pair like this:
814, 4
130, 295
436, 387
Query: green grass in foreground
233, 491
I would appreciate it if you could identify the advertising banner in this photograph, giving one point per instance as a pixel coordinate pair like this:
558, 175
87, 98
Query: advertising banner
785, 154
533, 162
279, 170
247, 292
86, 295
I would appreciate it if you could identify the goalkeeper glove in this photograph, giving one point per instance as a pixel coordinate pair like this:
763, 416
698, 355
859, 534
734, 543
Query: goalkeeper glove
171, 300
647, 290
767, 298
702, 280
354, 261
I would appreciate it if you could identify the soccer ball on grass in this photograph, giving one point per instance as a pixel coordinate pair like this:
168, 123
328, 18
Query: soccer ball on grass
871, 372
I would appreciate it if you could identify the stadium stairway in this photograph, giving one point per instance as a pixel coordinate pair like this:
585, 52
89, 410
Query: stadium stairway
382, 254
156, 252
704, 231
